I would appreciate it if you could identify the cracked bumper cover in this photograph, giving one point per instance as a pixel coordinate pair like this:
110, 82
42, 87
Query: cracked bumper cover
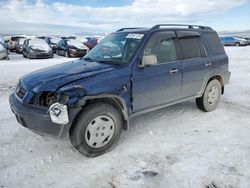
38, 119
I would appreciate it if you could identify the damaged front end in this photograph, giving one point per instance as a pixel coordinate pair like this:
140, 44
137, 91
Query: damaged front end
59, 102
47, 112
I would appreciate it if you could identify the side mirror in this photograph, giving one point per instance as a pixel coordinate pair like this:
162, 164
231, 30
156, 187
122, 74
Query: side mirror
148, 60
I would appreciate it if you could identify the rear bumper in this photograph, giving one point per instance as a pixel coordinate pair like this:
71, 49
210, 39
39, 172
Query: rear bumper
38, 120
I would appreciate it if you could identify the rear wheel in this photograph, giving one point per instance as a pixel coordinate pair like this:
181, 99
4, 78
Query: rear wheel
211, 97
96, 130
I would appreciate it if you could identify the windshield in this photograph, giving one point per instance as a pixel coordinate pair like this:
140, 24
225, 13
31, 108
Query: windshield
39, 44
55, 40
21, 41
117, 48
76, 44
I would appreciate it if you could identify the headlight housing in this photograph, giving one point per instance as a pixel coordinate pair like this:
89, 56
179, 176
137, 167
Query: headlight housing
48, 98
31, 50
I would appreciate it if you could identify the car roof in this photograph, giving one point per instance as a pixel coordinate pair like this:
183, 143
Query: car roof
166, 27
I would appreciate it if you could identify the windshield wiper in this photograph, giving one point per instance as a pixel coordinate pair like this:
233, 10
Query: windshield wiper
89, 59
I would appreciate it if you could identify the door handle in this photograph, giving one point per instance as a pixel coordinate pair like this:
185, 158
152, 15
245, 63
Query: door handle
173, 71
208, 64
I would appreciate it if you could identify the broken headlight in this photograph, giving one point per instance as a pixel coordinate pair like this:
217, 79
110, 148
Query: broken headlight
48, 98
59, 113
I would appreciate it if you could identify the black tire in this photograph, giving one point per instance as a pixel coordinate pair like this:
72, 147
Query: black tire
77, 132
203, 103
237, 44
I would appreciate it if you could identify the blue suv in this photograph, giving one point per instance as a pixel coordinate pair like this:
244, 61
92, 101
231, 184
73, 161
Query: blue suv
130, 72
233, 41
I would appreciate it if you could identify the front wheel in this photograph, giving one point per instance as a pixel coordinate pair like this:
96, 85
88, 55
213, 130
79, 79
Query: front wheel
96, 130
211, 97
237, 44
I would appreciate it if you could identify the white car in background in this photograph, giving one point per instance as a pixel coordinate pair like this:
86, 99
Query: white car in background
242, 41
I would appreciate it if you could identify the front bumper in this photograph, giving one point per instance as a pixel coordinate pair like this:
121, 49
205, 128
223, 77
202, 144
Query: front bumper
38, 55
38, 119
3, 55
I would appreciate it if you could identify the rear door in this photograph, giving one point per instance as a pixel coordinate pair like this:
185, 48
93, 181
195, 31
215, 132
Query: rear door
160, 83
195, 64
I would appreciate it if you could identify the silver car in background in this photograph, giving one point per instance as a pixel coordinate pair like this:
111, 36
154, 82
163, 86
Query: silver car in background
3, 52
37, 48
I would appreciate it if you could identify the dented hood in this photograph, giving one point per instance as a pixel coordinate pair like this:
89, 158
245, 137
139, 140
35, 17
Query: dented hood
51, 78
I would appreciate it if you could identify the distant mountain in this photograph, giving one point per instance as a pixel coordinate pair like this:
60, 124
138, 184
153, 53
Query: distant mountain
236, 33
13, 27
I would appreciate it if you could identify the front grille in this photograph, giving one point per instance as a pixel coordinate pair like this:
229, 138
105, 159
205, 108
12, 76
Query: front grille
20, 91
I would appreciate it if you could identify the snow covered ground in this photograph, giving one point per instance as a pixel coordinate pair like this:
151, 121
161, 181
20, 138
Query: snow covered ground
176, 147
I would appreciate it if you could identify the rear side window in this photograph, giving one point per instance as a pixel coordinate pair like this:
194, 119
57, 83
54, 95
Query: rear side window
162, 46
192, 47
214, 43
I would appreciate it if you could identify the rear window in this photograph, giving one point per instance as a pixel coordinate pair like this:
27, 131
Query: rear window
21, 41
15, 38
192, 47
214, 43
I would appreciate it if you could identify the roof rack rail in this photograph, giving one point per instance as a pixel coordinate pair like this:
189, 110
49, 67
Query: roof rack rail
127, 28
180, 25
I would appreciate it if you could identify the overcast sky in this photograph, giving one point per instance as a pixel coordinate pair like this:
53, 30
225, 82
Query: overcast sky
104, 16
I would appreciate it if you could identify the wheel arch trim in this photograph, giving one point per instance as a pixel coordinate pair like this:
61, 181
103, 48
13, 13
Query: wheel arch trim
117, 99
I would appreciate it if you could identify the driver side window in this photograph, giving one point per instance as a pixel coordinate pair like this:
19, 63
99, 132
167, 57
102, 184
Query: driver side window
161, 47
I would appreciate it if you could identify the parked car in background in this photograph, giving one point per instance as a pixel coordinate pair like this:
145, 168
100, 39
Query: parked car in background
53, 42
71, 37
91, 42
19, 45
12, 43
248, 41
37, 48
130, 72
3, 52
233, 41
2, 41
71, 48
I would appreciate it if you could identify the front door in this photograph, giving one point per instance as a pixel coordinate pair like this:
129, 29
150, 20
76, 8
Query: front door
159, 83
